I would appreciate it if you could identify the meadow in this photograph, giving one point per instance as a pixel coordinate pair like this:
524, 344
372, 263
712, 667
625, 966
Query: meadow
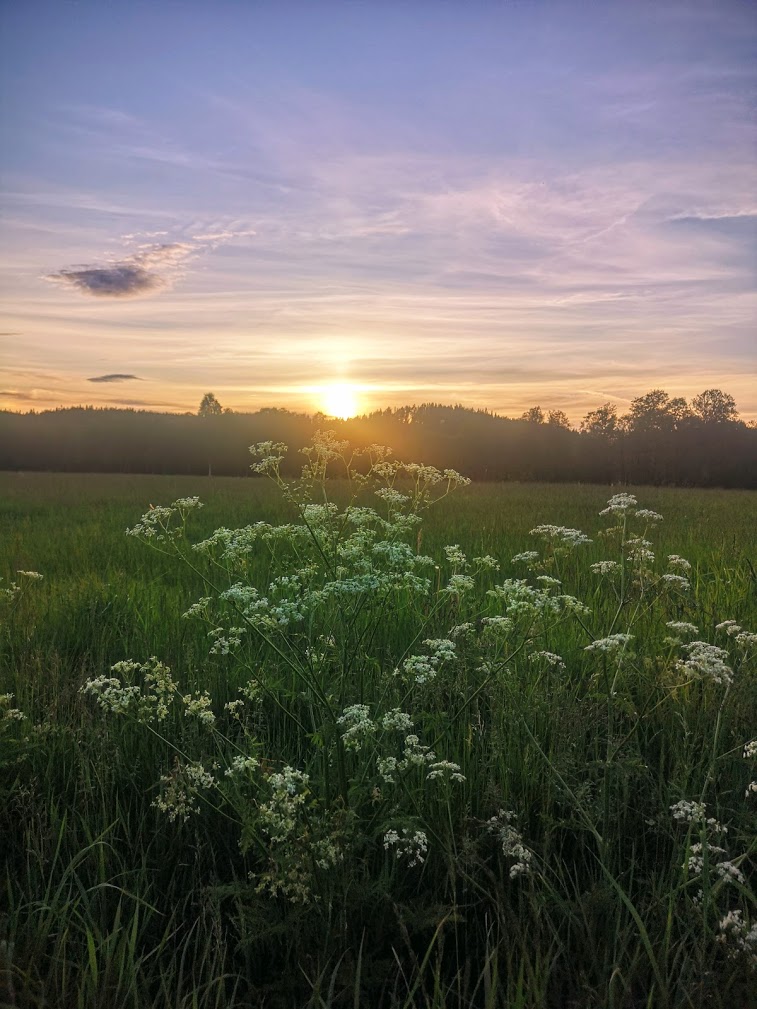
382, 762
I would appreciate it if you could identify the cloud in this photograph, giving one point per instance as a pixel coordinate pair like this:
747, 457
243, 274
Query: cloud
723, 214
16, 394
115, 378
151, 269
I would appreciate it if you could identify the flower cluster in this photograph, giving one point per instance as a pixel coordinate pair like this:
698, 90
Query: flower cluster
511, 843
410, 846
180, 790
738, 936
706, 662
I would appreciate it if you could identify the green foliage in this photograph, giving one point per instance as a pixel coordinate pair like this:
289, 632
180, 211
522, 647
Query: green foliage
546, 855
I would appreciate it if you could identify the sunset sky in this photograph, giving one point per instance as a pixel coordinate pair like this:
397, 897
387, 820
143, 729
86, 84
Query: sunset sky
489, 203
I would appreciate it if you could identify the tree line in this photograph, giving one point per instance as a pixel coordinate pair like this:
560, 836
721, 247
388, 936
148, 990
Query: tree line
660, 440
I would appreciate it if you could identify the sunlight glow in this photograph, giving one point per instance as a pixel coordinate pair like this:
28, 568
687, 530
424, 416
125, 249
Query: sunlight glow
339, 400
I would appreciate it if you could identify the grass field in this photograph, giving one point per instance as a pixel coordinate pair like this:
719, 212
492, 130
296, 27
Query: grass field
298, 848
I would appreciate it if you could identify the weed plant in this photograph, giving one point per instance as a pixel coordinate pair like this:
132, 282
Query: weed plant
397, 743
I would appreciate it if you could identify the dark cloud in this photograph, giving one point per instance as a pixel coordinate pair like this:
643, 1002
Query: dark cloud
118, 281
143, 273
117, 377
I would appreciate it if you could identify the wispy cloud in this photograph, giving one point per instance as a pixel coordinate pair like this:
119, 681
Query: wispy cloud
116, 377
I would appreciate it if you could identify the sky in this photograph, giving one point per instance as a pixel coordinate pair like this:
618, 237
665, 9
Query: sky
497, 204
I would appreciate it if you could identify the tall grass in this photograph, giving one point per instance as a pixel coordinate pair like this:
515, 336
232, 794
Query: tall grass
107, 902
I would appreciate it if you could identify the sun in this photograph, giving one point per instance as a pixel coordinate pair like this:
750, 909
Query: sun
339, 400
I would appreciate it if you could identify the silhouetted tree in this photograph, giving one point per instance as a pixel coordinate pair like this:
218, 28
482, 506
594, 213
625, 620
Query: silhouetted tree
602, 422
534, 416
714, 407
209, 407
682, 450
558, 418
650, 412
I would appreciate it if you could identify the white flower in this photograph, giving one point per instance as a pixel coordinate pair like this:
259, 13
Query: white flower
551, 659
444, 769
486, 563
604, 567
561, 535
648, 515
682, 627
619, 504
455, 556
412, 847
397, 720
706, 661
527, 557
674, 561
358, 724
612, 643
458, 585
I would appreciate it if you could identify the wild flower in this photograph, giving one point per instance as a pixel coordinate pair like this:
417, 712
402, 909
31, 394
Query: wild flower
7, 713
497, 626
387, 767
458, 585
10, 592
151, 702
461, 630
33, 576
178, 798
455, 556
612, 643
706, 661
396, 721
679, 627
242, 765
604, 567
693, 813
561, 536
486, 563
682, 627
415, 754
750, 749
526, 557
727, 625
620, 504
444, 769
674, 561
703, 853
738, 936
511, 842
639, 550
423, 668
549, 658
156, 524
518, 597
199, 706
410, 846
392, 497
358, 726
676, 581
647, 515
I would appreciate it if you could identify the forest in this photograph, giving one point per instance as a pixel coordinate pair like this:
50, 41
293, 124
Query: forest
661, 440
